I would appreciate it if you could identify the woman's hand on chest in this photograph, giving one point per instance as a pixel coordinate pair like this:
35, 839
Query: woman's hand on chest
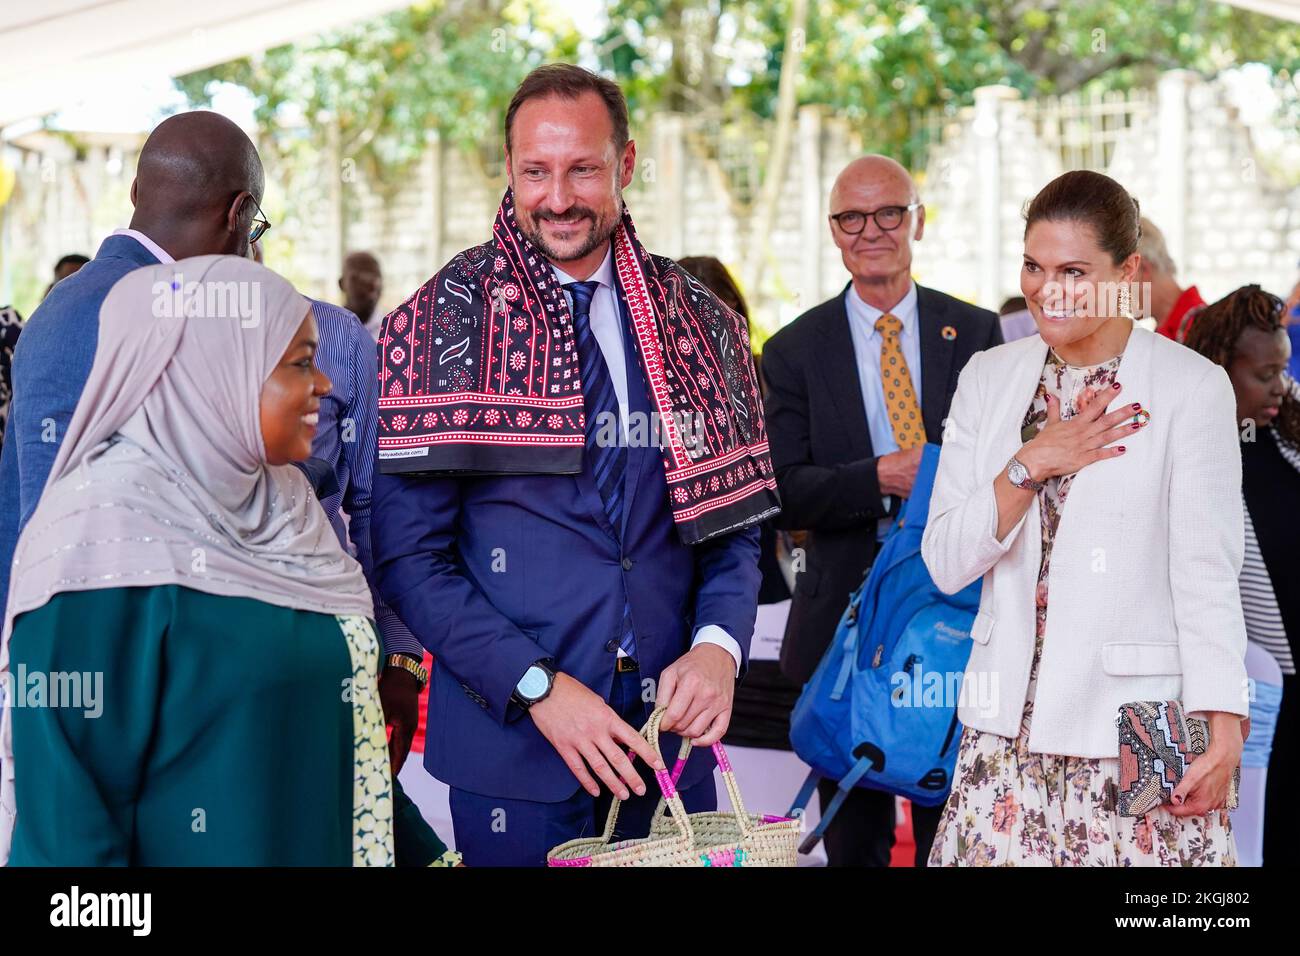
1065, 446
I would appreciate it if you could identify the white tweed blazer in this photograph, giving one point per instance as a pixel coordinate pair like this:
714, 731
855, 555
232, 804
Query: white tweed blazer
1143, 602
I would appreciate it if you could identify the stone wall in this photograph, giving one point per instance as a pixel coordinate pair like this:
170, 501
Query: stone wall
1184, 154
1187, 158
679, 198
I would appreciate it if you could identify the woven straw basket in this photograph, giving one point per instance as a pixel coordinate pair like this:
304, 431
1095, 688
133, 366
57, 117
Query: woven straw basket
681, 839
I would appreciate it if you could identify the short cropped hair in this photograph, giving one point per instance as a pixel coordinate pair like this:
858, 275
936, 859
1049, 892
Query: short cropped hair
570, 82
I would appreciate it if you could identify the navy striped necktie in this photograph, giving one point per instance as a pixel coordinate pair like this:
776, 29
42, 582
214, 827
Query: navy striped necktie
599, 405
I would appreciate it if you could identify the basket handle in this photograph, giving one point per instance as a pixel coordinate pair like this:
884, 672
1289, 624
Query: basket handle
668, 784
667, 787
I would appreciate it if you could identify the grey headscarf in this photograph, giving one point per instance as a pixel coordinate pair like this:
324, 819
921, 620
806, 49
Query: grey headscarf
162, 477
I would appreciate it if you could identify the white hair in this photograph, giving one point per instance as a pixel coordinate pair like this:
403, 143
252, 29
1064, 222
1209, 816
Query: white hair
1152, 248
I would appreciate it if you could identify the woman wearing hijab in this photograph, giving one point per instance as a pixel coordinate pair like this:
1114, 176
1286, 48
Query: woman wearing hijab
183, 568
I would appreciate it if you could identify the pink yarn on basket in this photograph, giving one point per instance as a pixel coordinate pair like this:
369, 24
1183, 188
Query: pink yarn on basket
767, 853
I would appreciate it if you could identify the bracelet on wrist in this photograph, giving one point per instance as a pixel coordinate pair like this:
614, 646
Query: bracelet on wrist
409, 664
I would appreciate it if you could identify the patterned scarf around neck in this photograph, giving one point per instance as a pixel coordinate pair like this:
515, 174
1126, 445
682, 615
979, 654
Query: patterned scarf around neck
479, 375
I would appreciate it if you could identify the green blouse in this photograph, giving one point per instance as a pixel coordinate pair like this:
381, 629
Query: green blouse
201, 731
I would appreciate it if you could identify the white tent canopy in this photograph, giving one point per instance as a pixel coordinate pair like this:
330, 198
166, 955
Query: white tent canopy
1282, 9
53, 52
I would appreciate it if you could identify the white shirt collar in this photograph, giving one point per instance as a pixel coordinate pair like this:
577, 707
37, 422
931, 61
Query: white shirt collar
860, 311
158, 252
604, 274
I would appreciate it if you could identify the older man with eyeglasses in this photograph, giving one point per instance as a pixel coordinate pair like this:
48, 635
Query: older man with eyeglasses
857, 386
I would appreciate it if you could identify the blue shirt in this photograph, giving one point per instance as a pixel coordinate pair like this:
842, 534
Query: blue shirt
866, 350
1293, 332
51, 364
346, 440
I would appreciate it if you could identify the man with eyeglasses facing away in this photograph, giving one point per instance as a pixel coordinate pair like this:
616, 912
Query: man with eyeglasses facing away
857, 386
197, 187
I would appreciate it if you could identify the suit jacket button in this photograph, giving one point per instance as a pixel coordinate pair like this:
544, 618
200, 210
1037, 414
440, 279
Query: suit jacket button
611, 645
627, 564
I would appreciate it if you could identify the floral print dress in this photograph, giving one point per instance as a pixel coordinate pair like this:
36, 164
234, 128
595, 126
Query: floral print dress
1011, 807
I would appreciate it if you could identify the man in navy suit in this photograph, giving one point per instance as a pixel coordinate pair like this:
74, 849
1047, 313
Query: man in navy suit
556, 590
196, 192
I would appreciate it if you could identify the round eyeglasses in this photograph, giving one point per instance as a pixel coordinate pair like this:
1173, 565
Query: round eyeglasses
853, 221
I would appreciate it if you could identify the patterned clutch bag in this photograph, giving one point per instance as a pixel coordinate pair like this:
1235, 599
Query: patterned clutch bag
1157, 742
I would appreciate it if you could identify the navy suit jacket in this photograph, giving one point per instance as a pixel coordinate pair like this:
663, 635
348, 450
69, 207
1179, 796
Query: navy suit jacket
495, 573
51, 365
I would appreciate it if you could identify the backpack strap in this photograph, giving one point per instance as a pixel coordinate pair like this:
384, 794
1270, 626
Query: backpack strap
804, 795
828, 812
916, 509
850, 654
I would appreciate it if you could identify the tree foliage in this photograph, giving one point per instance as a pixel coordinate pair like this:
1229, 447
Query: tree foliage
878, 63
451, 65
383, 86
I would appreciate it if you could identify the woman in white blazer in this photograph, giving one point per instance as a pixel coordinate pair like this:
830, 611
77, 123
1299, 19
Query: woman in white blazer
1142, 599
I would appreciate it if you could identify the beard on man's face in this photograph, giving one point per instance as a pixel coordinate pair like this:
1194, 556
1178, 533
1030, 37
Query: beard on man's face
599, 230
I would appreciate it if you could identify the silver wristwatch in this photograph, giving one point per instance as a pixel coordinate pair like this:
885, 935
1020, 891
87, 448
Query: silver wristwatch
1018, 475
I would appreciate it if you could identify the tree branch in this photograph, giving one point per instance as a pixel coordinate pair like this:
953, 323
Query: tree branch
1070, 75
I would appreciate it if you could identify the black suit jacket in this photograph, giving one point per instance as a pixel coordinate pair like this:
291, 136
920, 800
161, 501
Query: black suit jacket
821, 448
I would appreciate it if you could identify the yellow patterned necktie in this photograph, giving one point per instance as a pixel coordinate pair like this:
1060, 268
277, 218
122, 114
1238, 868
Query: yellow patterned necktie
900, 396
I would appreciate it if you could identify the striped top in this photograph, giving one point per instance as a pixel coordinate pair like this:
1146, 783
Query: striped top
1259, 603
1258, 600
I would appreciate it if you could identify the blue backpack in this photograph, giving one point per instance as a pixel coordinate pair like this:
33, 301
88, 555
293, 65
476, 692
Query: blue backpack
881, 708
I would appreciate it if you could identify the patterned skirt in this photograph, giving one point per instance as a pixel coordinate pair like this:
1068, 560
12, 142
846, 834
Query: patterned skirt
1010, 807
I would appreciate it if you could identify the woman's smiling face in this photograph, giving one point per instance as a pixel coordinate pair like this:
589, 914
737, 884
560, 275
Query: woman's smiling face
290, 400
1069, 281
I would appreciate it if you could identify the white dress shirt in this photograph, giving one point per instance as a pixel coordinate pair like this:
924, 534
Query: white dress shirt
607, 327
156, 250
866, 350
